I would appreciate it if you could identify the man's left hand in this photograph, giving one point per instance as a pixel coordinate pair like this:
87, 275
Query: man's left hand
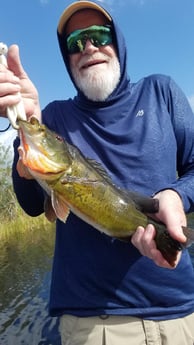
172, 214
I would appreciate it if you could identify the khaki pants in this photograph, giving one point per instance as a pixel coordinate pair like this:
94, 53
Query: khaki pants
124, 330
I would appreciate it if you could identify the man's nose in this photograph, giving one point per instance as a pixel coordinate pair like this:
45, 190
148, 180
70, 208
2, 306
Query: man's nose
89, 47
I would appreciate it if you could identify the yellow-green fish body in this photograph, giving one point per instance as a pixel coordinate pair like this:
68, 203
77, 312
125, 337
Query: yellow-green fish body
80, 185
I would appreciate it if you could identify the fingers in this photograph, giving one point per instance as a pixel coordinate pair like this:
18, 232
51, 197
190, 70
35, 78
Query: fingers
15, 86
143, 240
171, 213
9, 89
23, 171
14, 62
174, 224
21, 168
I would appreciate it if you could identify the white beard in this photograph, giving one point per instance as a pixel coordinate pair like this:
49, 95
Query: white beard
99, 81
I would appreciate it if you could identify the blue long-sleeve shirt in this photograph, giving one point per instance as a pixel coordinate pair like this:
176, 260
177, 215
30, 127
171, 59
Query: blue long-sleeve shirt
141, 147
143, 135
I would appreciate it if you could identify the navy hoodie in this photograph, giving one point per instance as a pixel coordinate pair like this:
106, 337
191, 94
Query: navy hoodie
143, 135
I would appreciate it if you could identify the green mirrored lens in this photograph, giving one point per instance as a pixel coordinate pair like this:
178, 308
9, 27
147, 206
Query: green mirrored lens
98, 35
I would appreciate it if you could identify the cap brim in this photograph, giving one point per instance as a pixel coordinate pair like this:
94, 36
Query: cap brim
76, 6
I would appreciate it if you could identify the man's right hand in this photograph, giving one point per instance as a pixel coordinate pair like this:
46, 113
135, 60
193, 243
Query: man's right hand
14, 79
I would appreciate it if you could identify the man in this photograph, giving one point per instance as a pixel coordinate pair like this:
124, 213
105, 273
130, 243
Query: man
106, 291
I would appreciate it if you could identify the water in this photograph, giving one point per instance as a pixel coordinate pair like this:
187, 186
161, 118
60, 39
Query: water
25, 319
25, 272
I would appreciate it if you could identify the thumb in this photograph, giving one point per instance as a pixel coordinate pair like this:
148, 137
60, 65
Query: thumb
14, 62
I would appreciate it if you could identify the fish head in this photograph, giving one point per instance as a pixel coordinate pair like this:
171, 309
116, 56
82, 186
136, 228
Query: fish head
43, 151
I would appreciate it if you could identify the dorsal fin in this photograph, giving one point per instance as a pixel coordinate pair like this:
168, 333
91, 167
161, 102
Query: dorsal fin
100, 169
144, 203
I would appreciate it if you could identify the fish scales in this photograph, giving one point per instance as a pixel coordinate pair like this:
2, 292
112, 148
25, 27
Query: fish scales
101, 205
80, 185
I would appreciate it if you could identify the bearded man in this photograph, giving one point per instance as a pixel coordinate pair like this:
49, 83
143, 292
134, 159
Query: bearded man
105, 291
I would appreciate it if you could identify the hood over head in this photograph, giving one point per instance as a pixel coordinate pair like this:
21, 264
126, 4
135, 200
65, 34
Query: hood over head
118, 41
77, 6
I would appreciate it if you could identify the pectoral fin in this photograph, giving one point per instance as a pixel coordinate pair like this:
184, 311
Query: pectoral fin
61, 209
48, 209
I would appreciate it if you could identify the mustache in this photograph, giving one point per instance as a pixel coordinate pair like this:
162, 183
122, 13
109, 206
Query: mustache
88, 60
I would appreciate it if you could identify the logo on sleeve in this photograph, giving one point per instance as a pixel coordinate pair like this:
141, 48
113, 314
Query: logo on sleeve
140, 113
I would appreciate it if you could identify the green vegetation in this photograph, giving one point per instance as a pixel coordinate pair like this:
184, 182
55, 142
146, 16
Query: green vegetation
13, 220
26, 249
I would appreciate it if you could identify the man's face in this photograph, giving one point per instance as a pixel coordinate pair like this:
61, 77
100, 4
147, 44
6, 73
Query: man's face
96, 70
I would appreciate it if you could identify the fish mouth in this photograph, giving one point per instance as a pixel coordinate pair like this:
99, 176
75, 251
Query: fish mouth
38, 155
39, 164
37, 161
32, 122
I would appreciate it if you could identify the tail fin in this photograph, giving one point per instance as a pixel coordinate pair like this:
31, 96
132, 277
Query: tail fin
167, 245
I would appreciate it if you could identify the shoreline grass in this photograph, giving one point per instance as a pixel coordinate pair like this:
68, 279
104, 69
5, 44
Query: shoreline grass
22, 224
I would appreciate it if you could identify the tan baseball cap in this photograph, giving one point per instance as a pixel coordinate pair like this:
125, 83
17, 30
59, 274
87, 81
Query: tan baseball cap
77, 6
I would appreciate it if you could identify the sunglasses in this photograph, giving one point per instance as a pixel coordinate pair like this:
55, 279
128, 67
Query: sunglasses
98, 35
